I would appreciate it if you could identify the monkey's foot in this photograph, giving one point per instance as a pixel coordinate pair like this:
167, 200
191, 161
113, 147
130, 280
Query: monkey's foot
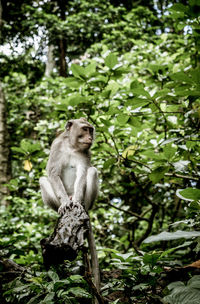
64, 207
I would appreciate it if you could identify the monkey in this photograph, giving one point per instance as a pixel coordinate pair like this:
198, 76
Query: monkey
70, 177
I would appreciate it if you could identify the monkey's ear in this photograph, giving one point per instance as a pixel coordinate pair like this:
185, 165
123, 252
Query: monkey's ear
69, 124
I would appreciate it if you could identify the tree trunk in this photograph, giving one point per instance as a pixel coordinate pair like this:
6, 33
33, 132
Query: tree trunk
4, 150
50, 64
63, 65
68, 239
1, 12
1, 20
62, 41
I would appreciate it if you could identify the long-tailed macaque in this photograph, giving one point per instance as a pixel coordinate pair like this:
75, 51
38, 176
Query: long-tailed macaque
71, 178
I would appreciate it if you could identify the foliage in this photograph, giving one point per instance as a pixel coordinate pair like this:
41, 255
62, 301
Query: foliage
179, 293
139, 87
47, 287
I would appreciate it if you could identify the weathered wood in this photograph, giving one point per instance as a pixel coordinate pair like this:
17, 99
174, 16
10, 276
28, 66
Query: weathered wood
68, 236
68, 239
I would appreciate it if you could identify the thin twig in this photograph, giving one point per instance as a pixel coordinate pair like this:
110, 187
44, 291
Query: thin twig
182, 176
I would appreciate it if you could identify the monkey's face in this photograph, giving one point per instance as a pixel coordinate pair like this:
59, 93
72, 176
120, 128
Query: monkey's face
81, 134
85, 138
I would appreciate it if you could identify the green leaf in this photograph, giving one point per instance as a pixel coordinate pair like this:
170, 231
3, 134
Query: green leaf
135, 122
98, 78
76, 99
169, 151
124, 257
73, 82
19, 150
111, 60
76, 278
152, 155
182, 77
25, 145
28, 146
79, 292
78, 71
195, 75
162, 92
90, 69
194, 206
194, 282
179, 7
122, 119
137, 102
190, 194
108, 163
137, 88
35, 300
49, 297
169, 236
151, 258
181, 294
53, 275
158, 174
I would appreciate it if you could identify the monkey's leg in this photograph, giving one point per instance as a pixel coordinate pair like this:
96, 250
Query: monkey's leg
92, 187
48, 195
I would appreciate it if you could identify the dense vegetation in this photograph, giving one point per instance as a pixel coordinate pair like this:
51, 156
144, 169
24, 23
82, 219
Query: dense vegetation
133, 70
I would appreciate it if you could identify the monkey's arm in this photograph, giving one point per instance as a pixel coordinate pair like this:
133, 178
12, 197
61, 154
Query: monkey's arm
54, 170
80, 184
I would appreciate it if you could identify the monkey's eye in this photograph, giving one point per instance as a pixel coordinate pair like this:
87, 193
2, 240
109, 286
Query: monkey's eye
85, 128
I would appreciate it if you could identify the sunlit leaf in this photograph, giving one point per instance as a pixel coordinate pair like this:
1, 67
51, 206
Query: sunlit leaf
189, 194
130, 151
27, 165
122, 119
78, 71
111, 60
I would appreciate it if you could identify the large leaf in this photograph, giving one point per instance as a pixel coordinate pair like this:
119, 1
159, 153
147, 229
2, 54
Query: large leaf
111, 60
182, 77
190, 194
158, 174
137, 102
75, 99
169, 151
181, 294
79, 292
78, 71
90, 69
138, 89
73, 82
122, 119
169, 236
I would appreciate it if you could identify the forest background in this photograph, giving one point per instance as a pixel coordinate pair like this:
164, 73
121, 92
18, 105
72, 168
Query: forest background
132, 68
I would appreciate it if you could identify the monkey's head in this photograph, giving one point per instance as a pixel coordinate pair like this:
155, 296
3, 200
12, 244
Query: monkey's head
80, 134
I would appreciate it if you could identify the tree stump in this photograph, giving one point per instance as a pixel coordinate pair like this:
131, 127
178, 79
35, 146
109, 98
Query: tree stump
68, 236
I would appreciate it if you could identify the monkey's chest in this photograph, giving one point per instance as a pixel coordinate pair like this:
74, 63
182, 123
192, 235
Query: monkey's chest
69, 177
